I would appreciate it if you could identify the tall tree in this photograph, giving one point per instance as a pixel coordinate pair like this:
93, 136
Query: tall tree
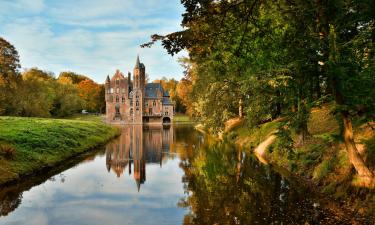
9, 77
89, 92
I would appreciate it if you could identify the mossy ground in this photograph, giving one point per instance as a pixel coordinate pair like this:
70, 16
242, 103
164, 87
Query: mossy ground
41, 142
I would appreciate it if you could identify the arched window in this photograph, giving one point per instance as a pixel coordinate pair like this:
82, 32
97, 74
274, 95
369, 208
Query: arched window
137, 103
117, 98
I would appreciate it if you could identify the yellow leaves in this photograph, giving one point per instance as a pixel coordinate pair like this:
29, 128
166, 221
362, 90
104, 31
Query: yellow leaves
89, 91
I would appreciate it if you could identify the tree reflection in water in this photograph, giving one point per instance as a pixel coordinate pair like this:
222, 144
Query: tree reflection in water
226, 186
222, 184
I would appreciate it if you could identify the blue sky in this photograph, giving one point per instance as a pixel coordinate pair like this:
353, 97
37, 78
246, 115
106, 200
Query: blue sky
91, 37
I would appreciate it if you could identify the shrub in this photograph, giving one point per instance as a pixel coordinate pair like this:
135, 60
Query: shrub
7, 150
323, 169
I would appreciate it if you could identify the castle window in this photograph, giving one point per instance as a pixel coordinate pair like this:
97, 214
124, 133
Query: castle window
137, 103
117, 90
136, 96
117, 81
166, 113
131, 111
123, 99
111, 90
111, 98
137, 109
154, 103
117, 98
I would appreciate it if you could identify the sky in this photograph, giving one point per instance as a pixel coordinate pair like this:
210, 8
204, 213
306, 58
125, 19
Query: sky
92, 37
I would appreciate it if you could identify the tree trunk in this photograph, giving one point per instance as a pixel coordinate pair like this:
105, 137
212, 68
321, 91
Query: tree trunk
353, 154
240, 108
303, 133
302, 118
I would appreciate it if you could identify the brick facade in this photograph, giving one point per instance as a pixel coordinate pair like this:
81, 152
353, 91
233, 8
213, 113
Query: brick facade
135, 101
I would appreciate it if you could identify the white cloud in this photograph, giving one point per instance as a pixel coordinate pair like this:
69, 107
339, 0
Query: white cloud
9, 7
91, 37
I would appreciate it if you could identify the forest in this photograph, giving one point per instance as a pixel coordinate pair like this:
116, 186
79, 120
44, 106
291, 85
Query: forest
279, 60
38, 93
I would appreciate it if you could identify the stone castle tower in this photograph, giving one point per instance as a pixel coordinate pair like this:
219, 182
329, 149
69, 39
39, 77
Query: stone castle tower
139, 77
135, 101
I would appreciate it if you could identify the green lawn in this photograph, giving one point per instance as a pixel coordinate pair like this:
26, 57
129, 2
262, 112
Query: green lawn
40, 142
181, 118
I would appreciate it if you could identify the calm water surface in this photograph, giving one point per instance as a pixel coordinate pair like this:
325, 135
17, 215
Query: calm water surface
166, 175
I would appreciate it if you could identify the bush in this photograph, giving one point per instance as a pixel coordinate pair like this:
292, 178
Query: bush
323, 169
7, 150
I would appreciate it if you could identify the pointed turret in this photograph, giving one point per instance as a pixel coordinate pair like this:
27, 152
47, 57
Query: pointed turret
138, 185
107, 80
137, 63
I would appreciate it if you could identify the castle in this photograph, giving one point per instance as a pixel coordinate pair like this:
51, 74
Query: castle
136, 102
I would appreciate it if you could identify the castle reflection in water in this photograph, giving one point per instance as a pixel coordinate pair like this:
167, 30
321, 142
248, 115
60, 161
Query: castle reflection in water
136, 146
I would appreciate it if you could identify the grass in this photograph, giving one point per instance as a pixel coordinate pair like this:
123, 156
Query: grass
85, 117
181, 118
38, 143
251, 137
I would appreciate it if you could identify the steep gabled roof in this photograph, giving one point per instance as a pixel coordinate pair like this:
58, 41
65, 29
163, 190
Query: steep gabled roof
167, 101
118, 74
151, 90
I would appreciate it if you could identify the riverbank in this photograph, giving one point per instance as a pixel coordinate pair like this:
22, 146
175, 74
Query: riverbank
29, 145
322, 159
181, 118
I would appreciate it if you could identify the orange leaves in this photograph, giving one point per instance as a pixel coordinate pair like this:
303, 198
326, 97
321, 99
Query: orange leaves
89, 91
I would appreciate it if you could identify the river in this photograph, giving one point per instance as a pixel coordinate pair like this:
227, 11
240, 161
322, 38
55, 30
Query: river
166, 175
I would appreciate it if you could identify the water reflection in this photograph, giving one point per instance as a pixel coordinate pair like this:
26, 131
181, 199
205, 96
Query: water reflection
136, 146
227, 186
167, 175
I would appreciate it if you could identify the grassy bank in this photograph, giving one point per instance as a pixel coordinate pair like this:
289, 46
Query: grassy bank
28, 145
181, 118
322, 158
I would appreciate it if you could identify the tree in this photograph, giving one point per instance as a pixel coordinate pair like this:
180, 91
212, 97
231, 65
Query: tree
71, 77
278, 59
9, 77
67, 100
89, 92
36, 93
350, 36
